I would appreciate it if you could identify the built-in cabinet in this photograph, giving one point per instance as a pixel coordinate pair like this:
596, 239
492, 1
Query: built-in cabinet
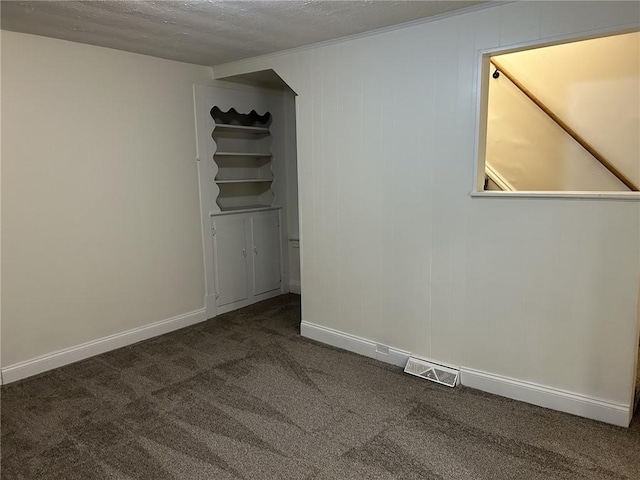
247, 258
242, 170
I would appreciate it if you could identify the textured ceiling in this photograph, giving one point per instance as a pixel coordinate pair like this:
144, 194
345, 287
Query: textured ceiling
210, 32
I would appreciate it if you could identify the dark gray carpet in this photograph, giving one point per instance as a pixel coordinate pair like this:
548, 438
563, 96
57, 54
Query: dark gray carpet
243, 396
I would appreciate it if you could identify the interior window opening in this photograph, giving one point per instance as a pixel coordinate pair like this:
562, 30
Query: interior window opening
564, 118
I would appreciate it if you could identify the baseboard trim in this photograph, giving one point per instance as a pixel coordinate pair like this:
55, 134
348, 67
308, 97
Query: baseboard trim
41, 364
229, 307
353, 343
210, 306
555, 399
294, 287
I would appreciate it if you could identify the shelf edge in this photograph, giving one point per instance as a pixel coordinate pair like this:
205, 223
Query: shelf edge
247, 180
247, 210
242, 154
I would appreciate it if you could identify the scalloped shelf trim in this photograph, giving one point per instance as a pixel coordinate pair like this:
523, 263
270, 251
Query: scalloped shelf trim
233, 117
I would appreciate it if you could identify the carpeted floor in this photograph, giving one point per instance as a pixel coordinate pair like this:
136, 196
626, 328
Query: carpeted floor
243, 396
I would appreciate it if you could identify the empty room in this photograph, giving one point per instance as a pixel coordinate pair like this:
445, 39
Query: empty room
320, 240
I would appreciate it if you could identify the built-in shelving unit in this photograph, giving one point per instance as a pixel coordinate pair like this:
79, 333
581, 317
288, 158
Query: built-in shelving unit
242, 154
243, 158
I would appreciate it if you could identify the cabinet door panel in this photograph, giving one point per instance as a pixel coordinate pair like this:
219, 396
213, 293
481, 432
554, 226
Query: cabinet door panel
266, 252
230, 256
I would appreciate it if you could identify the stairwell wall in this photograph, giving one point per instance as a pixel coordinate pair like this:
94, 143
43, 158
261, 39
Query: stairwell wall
593, 86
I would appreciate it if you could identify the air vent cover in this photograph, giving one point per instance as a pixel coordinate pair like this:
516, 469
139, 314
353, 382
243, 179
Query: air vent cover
432, 371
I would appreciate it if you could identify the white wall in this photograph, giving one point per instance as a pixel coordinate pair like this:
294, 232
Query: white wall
294, 266
593, 85
293, 214
395, 250
100, 211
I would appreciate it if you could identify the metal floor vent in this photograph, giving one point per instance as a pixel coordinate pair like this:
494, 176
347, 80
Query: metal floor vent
432, 371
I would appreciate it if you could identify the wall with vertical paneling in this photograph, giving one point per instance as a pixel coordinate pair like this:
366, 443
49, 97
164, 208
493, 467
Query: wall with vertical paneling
394, 248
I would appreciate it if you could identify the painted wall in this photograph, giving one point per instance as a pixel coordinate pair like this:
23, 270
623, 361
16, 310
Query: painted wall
100, 211
593, 85
394, 249
294, 266
293, 213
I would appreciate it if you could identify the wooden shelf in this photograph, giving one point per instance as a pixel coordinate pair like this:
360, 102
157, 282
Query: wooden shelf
244, 176
226, 128
242, 154
246, 180
246, 208
249, 209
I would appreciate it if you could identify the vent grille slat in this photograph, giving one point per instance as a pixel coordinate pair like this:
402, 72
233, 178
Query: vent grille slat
432, 371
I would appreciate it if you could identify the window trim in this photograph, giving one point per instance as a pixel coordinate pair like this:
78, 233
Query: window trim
483, 66
564, 195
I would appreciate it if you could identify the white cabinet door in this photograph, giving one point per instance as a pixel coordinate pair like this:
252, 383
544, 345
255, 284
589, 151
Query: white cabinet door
265, 229
230, 256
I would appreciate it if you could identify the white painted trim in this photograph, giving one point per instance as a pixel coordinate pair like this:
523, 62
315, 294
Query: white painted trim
620, 196
498, 179
553, 398
57, 359
353, 343
210, 306
294, 287
250, 300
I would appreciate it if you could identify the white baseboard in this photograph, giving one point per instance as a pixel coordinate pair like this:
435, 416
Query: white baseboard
294, 287
355, 344
57, 359
555, 399
210, 306
229, 307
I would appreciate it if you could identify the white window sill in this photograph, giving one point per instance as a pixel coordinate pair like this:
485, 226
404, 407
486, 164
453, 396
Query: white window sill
620, 196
